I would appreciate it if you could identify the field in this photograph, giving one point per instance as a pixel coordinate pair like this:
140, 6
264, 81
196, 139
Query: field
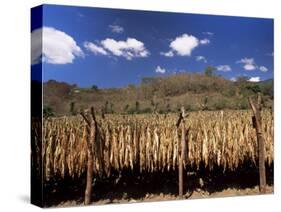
219, 146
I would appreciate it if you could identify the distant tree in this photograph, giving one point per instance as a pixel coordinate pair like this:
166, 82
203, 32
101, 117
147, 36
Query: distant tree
188, 107
126, 108
243, 104
137, 109
209, 71
72, 109
106, 107
205, 101
102, 113
221, 104
95, 87
48, 111
242, 84
111, 107
242, 80
267, 89
254, 88
152, 103
168, 108
204, 105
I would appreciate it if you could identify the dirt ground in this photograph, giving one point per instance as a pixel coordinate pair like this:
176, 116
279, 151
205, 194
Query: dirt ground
131, 187
198, 194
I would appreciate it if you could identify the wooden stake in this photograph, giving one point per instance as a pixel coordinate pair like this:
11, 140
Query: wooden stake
181, 165
257, 123
181, 150
89, 179
91, 131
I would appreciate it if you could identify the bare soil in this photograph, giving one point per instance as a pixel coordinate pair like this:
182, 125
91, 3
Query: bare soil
131, 187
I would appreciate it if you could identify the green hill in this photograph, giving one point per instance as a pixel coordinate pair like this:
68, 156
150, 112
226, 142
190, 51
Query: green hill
195, 91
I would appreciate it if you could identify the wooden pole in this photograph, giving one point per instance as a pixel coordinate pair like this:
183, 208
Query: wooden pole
181, 162
181, 150
257, 122
89, 179
91, 131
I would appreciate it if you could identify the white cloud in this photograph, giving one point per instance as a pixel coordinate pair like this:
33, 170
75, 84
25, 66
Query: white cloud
57, 47
94, 48
36, 46
248, 63
208, 33
184, 44
160, 70
224, 68
263, 69
167, 54
254, 79
116, 28
205, 41
129, 49
249, 67
201, 58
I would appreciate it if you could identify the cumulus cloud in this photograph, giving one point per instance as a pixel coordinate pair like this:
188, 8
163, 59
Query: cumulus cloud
129, 49
263, 69
224, 68
57, 47
248, 63
184, 44
94, 48
160, 70
167, 54
36, 46
205, 41
116, 28
201, 58
254, 79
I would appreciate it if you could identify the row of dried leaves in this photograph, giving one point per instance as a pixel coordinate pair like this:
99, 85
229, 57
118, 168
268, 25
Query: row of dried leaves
150, 142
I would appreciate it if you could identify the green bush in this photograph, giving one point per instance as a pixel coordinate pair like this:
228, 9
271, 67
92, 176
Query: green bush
48, 111
220, 104
243, 104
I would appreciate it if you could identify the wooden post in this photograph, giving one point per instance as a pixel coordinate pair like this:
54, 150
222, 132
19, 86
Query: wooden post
91, 131
257, 123
90, 163
181, 161
181, 150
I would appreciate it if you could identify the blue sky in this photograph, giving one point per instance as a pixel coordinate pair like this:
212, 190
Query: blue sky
114, 48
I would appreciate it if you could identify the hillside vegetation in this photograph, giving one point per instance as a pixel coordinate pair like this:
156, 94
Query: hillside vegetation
195, 91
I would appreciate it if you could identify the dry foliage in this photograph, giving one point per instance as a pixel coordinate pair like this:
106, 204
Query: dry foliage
150, 142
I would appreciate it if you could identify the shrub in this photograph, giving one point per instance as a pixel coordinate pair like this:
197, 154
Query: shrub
48, 111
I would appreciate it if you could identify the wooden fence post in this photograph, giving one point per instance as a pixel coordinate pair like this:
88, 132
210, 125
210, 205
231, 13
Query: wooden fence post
181, 149
91, 137
90, 163
257, 123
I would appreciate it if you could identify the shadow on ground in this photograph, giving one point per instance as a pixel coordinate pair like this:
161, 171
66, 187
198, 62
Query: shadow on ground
137, 186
